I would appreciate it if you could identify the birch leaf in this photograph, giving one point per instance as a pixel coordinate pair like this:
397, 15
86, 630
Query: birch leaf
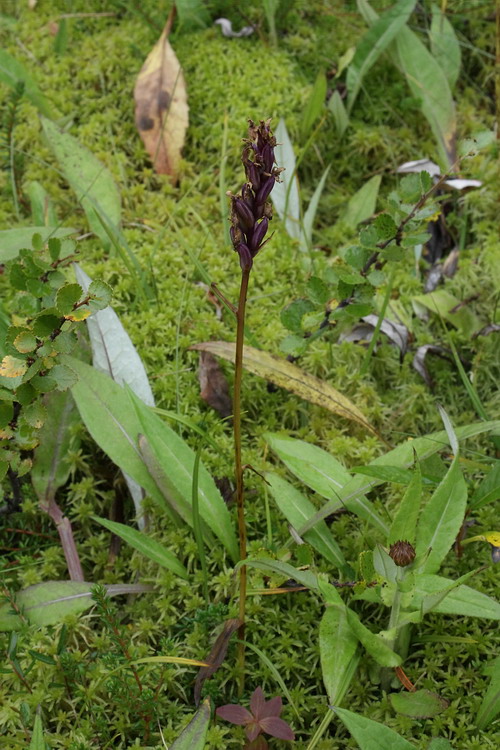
286, 375
161, 108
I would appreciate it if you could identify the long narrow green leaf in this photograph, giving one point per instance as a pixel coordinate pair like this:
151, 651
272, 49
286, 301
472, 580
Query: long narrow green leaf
13, 72
370, 735
441, 520
37, 740
310, 214
401, 456
144, 544
404, 523
445, 46
373, 43
194, 735
304, 577
463, 600
361, 205
490, 705
315, 104
172, 452
339, 653
297, 509
14, 240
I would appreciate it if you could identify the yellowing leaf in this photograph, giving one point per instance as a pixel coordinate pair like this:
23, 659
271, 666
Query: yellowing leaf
286, 375
11, 367
161, 108
81, 313
493, 537
6, 433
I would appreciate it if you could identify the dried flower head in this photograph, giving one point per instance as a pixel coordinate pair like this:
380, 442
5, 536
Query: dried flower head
402, 553
251, 210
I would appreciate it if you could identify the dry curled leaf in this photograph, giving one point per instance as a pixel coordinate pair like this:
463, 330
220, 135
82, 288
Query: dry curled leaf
396, 332
216, 656
419, 360
214, 386
161, 108
490, 328
287, 375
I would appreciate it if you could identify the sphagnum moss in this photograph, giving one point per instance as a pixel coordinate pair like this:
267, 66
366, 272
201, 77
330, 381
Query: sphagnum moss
92, 83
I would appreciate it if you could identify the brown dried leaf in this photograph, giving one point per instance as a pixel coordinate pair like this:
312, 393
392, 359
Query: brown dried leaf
216, 656
161, 108
419, 360
214, 386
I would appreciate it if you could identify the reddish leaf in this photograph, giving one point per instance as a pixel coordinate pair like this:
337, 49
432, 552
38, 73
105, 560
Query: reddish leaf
276, 727
234, 713
257, 702
216, 656
271, 708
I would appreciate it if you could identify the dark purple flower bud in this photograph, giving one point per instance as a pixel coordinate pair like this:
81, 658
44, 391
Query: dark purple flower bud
236, 236
246, 261
244, 213
268, 157
258, 235
252, 174
264, 190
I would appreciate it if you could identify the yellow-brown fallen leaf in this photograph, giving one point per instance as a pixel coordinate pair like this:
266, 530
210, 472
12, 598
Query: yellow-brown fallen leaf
161, 108
286, 375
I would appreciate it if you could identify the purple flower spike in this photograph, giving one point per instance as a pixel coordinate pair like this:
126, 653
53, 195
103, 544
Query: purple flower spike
251, 210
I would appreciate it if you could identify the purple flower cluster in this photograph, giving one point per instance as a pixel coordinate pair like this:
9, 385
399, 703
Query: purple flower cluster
251, 211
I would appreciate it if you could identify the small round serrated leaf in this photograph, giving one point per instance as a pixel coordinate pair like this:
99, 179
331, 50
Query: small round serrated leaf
6, 413
25, 394
54, 248
64, 377
312, 320
67, 296
101, 294
65, 342
385, 227
17, 277
33, 370
43, 383
12, 367
293, 345
45, 324
37, 288
422, 704
26, 464
37, 242
291, 315
317, 291
35, 414
25, 342
81, 313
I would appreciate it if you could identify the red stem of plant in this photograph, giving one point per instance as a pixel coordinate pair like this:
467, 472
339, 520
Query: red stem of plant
238, 374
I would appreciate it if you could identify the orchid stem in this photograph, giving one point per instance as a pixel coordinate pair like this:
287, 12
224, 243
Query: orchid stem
238, 374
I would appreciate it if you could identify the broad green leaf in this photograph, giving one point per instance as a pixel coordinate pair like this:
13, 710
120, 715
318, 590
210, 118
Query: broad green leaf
310, 214
431, 601
297, 509
192, 14
315, 104
285, 194
422, 704
385, 473
287, 375
321, 472
339, 653
194, 735
441, 520
175, 453
147, 546
50, 467
114, 353
37, 740
404, 523
460, 601
373, 643
91, 181
106, 411
428, 83
373, 43
362, 204
304, 577
445, 46
443, 304
42, 208
370, 735
339, 112
489, 489
402, 455
490, 705
14, 240
48, 603
13, 72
